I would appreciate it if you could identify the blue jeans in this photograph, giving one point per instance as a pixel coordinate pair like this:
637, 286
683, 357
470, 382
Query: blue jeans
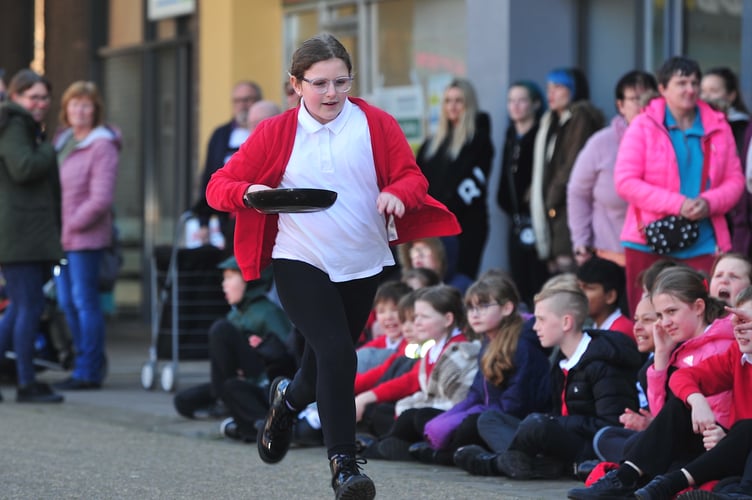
78, 296
20, 323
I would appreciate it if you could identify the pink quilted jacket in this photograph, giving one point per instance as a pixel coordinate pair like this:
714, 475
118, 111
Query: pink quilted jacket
646, 174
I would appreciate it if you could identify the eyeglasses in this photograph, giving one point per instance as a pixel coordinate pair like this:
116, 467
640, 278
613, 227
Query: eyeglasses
481, 308
342, 84
37, 98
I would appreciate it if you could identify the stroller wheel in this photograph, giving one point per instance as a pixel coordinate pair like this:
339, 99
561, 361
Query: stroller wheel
148, 372
167, 380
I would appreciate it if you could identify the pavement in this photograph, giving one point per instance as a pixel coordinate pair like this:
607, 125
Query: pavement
125, 442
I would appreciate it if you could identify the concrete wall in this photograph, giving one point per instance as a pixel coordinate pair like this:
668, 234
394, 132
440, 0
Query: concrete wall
500, 52
238, 40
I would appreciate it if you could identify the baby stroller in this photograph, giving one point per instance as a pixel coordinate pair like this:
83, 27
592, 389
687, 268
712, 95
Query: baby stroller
187, 298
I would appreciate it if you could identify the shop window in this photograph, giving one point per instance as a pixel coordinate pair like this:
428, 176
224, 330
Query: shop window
404, 51
713, 32
710, 31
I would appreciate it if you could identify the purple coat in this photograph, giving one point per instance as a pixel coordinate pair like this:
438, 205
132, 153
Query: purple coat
87, 182
527, 389
741, 214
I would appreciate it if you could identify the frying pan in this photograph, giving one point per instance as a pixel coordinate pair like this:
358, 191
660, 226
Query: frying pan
291, 200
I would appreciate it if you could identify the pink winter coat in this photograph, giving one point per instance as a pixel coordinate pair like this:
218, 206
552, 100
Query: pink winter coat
718, 337
647, 174
87, 183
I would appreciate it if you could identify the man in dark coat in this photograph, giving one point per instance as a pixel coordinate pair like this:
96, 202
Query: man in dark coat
224, 141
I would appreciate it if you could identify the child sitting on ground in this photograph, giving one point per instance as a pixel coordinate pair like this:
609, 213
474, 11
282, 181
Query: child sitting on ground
592, 382
439, 317
378, 418
731, 455
603, 283
374, 352
247, 348
512, 375
687, 318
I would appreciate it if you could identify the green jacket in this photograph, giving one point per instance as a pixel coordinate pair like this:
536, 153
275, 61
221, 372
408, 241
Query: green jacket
257, 315
29, 191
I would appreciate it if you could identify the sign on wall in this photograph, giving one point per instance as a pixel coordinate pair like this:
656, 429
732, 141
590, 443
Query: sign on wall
162, 9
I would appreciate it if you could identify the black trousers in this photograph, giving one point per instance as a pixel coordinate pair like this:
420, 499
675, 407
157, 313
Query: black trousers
229, 353
378, 419
246, 403
727, 458
528, 271
409, 425
497, 429
544, 434
331, 317
669, 441
466, 433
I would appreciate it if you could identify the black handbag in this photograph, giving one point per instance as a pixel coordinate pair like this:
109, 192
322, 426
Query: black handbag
671, 233
675, 232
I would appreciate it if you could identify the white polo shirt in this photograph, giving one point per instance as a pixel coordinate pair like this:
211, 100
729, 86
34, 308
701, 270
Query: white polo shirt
348, 240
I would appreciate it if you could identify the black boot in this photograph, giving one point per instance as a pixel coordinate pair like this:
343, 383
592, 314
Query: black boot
276, 434
348, 482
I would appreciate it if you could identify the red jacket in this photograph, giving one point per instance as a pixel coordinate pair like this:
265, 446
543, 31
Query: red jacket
262, 159
367, 380
716, 374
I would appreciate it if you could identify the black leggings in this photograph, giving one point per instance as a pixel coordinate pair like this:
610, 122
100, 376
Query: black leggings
331, 317
727, 458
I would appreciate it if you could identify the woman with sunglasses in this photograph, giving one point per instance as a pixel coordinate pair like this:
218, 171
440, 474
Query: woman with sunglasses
327, 264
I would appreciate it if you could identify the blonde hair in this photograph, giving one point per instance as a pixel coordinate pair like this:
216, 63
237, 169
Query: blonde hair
566, 298
465, 129
80, 89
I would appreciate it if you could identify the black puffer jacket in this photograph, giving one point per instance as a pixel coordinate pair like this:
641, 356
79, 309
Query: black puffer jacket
601, 385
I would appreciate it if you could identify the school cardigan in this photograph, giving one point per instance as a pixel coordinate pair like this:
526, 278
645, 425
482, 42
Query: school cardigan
262, 159
718, 374
410, 382
448, 381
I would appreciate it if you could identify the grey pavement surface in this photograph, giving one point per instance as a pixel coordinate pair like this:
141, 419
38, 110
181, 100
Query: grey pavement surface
123, 442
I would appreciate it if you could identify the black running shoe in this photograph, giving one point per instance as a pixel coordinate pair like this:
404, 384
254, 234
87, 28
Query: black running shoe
275, 436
